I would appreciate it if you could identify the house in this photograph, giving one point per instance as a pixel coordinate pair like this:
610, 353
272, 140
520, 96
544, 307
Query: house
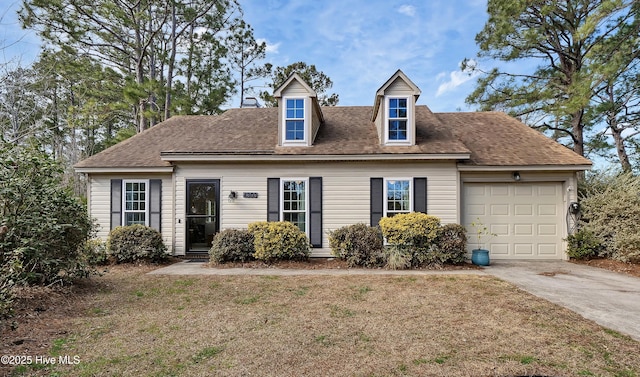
325, 167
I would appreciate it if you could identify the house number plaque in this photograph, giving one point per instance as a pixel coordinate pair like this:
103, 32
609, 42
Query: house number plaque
250, 195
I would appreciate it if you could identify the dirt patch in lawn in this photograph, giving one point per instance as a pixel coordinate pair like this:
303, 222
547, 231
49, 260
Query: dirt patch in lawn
128, 323
612, 265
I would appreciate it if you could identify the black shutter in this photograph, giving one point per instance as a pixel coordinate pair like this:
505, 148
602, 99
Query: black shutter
155, 203
273, 199
116, 203
420, 195
315, 211
377, 200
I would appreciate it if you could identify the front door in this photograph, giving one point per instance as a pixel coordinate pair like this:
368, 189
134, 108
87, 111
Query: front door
203, 215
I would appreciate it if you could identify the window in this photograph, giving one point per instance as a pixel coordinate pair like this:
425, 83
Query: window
397, 196
294, 202
294, 120
398, 119
135, 202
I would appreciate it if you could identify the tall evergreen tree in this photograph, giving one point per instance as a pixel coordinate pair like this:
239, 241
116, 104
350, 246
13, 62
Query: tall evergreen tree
142, 41
243, 53
561, 37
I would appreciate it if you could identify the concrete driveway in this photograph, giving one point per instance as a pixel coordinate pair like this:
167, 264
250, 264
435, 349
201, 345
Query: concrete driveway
608, 298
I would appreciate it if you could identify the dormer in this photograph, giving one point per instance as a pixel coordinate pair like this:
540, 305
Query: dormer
299, 115
394, 111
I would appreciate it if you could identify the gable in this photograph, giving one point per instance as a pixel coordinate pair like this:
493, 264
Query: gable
399, 87
294, 83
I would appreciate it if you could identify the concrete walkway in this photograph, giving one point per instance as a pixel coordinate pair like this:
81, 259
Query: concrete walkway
608, 298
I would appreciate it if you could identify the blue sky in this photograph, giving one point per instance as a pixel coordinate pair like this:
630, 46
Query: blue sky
359, 44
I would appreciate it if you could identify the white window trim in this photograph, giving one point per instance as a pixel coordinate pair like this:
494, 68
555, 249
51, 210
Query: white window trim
410, 124
386, 197
305, 139
124, 199
306, 200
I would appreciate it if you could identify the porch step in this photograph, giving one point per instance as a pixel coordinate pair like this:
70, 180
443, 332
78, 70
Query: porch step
196, 257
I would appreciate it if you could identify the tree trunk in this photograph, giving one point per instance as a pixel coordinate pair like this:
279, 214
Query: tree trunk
578, 132
172, 59
616, 133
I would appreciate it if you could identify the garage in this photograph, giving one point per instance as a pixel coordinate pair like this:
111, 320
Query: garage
528, 218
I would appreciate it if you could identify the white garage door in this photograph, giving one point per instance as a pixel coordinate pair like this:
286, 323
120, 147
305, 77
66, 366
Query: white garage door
527, 217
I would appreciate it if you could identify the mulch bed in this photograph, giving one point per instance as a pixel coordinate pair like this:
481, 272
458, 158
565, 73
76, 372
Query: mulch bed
322, 263
612, 265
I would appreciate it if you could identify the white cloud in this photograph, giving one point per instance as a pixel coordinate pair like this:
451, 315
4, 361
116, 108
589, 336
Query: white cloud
456, 78
272, 48
408, 10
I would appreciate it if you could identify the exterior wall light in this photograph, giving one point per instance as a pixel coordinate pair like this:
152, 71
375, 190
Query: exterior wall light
516, 176
232, 196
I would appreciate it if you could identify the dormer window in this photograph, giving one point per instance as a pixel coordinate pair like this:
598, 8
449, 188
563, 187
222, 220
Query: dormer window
300, 116
394, 111
398, 118
294, 120
398, 126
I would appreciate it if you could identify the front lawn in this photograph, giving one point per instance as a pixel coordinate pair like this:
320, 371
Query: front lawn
132, 324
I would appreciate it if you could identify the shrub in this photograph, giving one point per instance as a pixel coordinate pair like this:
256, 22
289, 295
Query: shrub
137, 242
44, 226
583, 245
450, 247
418, 229
279, 240
358, 244
610, 210
95, 252
415, 233
232, 245
628, 248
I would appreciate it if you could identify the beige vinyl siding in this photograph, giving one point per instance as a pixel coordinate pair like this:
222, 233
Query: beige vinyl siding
295, 89
315, 122
100, 204
346, 191
398, 88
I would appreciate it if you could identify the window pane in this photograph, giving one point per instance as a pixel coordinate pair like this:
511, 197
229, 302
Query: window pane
294, 204
294, 130
134, 218
397, 130
297, 218
134, 203
398, 197
295, 109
